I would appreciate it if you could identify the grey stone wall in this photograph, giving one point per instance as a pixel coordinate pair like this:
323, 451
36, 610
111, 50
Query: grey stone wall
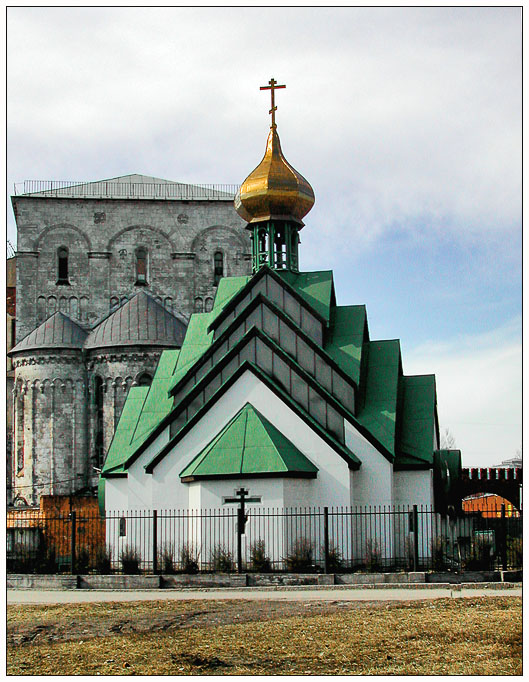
119, 369
102, 235
50, 445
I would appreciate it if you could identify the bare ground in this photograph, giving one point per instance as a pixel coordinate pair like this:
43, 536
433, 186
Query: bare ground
465, 636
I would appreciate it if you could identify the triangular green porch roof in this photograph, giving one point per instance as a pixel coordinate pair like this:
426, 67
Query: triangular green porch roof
249, 445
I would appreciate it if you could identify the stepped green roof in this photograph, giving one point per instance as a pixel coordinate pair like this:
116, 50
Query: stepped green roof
417, 419
125, 428
379, 413
315, 287
379, 402
249, 445
346, 336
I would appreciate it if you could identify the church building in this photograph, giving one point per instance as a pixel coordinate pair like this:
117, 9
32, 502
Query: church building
108, 274
277, 389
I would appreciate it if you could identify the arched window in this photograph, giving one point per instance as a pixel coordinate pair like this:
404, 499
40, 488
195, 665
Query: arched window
62, 265
141, 266
218, 261
144, 379
199, 304
41, 309
208, 305
74, 307
114, 303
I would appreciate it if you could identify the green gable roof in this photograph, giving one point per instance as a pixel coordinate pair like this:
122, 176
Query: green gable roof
249, 445
125, 428
379, 413
345, 338
315, 287
417, 419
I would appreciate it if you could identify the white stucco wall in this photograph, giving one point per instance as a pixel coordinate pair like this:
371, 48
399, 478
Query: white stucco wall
413, 487
164, 490
373, 482
116, 495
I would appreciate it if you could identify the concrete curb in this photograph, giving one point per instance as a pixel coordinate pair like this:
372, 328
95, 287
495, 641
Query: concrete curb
417, 580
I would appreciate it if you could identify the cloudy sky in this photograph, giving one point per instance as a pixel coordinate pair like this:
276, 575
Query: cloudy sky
407, 123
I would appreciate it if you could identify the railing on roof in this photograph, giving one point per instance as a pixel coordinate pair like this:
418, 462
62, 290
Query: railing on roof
124, 190
11, 251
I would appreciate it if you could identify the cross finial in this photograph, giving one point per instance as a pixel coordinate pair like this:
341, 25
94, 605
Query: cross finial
272, 86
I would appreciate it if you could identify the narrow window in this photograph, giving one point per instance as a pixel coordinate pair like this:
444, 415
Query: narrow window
62, 265
218, 267
208, 305
20, 435
199, 304
141, 266
98, 431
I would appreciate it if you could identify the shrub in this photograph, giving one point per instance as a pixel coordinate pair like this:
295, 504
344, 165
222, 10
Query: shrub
438, 553
189, 559
300, 557
166, 562
130, 561
335, 560
103, 561
514, 552
481, 551
45, 560
82, 560
258, 559
221, 559
373, 557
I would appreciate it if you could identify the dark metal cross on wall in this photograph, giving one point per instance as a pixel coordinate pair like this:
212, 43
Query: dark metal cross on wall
272, 86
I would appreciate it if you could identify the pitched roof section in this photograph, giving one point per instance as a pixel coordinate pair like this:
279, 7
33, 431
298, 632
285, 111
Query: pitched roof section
316, 288
141, 321
146, 411
249, 445
379, 413
416, 439
58, 331
348, 328
122, 435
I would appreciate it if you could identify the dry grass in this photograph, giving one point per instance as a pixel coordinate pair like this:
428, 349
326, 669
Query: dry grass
478, 636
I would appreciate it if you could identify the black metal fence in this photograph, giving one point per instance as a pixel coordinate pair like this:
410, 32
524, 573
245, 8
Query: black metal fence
298, 540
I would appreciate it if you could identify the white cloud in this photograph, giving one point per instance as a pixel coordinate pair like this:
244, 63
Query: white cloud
391, 113
479, 391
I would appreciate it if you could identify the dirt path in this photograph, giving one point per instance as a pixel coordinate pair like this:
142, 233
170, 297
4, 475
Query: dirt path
36, 624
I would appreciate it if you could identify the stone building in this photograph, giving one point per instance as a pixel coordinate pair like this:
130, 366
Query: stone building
107, 276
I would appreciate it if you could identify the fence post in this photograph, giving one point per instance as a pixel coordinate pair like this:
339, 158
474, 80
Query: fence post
326, 537
503, 538
155, 541
72, 542
415, 538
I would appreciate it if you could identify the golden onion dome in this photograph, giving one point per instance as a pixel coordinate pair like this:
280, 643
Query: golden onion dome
274, 190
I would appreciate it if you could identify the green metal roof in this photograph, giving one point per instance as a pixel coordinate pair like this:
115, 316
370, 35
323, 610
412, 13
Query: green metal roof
249, 445
346, 336
379, 413
226, 290
315, 287
197, 339
125, 428
417, 419
158, 402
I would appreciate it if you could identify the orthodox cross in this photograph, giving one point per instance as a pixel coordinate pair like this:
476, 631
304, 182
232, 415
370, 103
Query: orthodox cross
272, 86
